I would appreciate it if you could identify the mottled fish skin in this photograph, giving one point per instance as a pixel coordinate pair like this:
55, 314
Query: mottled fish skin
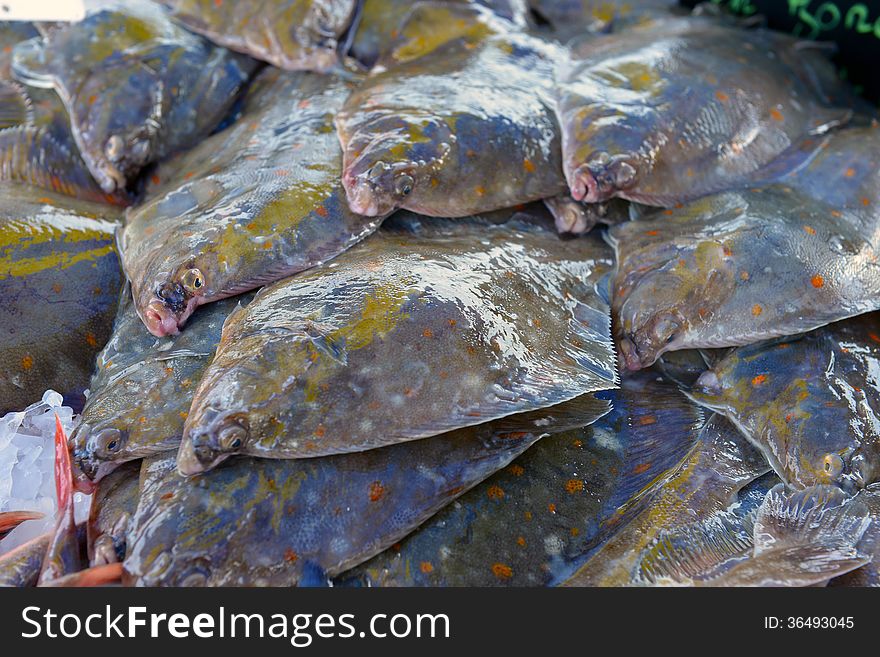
113, 505
537, 521
137, 86
705, 484
811, 404
20, 568
381, 20
265, 521
574, 17
457, 120
679, 108
251, 205
290, 34
11, 33
414, 334
59, 284
142, 389
869, 574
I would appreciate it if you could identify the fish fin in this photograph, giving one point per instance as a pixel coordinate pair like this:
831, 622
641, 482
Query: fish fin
9, 520
652, 451
573, 414
697, 550
29, 63
15, 105
819, 514
795, 158
90, 577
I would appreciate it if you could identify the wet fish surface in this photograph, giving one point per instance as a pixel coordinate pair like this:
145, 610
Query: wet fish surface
137, 86
59, 282
416, 333
809, 404
457, 120
113, 506
253, 204
276, 522
675, 109
290, 34
538, 520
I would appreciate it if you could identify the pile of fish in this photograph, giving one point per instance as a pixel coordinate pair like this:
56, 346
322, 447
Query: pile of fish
375, 293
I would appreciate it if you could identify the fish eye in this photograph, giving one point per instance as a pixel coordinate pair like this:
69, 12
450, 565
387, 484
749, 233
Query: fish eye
192, 281
109, 441
832, 465
232, 436
404, 185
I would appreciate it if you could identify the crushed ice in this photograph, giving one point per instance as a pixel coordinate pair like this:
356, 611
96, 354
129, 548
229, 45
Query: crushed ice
27, 463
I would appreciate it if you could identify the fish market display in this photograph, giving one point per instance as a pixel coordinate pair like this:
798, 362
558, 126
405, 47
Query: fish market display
137, 86
275, 522
810, 404
458, 121
414, 334
693, 277
535, 522
441, 293
59, 282
291, 34
255, 203
142, 389
678, 108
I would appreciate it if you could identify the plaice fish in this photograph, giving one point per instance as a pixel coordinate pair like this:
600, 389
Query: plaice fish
736, 268
810, 404
291, 34
869, 574
9, 520
800, 538
59, 282
457, 120
137, 86
536, 522
381, 20
272, 522
413, 334
702, 487
678, 108
20, 568
113, 505
64, 554
142, 389
253, 204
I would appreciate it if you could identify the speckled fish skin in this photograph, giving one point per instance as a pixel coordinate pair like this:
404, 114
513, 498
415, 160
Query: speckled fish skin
707, 482
20, 568
811, 405
289, 34
413, 335
11, 33
59, 284
265, 521
142, 389
457, 120
570, 17
869, 574
137, 86
381, 20
113, 505
536, 522
679, 108
251, 205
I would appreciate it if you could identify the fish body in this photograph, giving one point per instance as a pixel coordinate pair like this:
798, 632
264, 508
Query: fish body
274, 522
59, 283
255, 203
675, 109
137, 86
457, 120
869, 574
20, 568
413, 334
810, 404
113, 504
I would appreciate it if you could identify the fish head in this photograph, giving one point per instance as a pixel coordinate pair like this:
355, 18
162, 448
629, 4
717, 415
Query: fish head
381, 188
603, 177
96, 451
211, 435
172, 294
118, 123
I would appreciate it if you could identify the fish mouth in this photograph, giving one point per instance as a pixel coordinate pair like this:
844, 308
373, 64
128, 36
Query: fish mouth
364, 198
218, 435
109, 178
194, 459
162, 321
602, 177
642, 348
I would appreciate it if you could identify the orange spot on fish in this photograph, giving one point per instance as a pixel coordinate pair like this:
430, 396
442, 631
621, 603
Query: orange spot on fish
27, 362
810, 230
528, 166
377, 491
578, 442
290, 556
426, 567
502, 571
850, 172
495, 493
667, 212
776, 115
874, 337
817, 281
521, 541
188, 175
155, 179
551, 507
720, 95
167, 496
652, 233
641, 467
516, 470
573, 486
319, 431
744, 275
575, 531
757, 310
758, 380
428, 333
303, 104
788, 418
480, 190
321, 211
648, 419
866, 202
527, 515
